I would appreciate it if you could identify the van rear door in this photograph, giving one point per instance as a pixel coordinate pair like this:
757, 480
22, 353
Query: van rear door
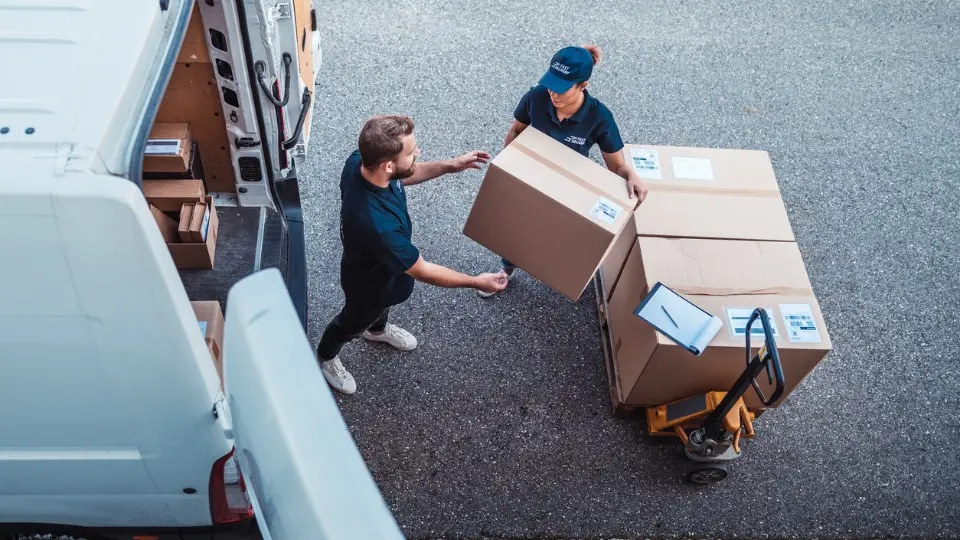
302, 470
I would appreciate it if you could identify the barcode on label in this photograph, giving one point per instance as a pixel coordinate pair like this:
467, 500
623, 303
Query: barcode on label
800, 323
605, 210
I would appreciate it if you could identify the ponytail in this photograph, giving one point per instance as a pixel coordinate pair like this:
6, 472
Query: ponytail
594, 52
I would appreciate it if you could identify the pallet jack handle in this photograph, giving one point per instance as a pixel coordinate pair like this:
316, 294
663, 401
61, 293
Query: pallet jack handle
766, 359
768, 355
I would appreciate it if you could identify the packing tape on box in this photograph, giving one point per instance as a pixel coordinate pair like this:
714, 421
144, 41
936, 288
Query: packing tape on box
529, 152
743, 291
664, 187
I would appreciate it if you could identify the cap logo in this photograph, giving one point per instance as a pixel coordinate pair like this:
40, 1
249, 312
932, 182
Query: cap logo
562, 68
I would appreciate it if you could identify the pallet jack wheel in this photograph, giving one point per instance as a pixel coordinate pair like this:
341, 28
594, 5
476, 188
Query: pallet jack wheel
706, 473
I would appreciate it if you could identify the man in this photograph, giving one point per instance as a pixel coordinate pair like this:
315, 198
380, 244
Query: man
380, 263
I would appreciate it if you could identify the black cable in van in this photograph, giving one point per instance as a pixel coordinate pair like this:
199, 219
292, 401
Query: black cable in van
260, 67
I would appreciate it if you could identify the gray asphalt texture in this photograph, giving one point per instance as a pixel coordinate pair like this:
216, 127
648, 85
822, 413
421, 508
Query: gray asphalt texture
498, 425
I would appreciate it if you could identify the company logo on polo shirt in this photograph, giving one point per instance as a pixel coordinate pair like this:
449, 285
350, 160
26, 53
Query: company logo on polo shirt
562, 68
576, 140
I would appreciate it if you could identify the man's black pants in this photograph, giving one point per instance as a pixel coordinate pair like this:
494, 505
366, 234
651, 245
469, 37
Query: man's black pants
352, 321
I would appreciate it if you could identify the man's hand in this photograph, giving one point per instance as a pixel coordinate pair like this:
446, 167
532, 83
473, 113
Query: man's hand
491, 283
442, 276
470, 160
636, 187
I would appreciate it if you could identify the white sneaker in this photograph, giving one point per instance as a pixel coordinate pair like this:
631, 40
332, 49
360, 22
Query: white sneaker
339, 378
510, 274
394, 335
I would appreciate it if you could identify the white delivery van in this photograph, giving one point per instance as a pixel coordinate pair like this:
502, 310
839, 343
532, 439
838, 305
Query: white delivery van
115, 422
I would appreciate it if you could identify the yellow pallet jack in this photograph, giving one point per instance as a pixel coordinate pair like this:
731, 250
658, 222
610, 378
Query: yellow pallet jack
711, 425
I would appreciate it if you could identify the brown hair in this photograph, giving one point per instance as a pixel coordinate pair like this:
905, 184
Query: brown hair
380, 138
595, 52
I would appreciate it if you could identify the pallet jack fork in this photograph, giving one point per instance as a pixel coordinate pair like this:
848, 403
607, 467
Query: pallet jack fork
711, 425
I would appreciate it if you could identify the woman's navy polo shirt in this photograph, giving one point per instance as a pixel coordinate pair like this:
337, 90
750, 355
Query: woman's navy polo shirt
592, 124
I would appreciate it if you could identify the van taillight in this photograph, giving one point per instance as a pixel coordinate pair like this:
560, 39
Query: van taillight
228, 493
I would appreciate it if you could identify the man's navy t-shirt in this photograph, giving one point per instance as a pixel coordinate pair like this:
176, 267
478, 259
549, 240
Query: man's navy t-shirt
376, 231
592, 124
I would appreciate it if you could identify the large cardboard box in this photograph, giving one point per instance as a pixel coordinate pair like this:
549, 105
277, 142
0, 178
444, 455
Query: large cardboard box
168, 148
210, 318
727, 278
550, 211
702, 193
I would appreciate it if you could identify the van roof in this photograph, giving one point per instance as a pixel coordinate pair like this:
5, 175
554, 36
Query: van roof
82, 72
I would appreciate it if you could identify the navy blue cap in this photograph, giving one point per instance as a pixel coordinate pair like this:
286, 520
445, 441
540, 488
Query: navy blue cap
571, 65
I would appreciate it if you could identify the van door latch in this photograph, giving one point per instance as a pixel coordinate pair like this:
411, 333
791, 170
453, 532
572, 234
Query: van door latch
245, 142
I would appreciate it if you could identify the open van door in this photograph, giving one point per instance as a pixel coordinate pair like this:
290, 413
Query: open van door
303, 472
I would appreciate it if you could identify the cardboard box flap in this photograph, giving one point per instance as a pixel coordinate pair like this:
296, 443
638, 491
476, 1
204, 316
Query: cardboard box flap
724, 267
704, 168
166, 224
699, 214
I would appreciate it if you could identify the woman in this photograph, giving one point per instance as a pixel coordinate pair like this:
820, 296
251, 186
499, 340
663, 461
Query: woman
561, 107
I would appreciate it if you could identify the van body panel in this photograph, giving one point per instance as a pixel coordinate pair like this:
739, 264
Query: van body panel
104, 362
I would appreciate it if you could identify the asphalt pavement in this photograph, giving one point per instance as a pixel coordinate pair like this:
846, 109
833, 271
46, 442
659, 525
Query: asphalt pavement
498, 425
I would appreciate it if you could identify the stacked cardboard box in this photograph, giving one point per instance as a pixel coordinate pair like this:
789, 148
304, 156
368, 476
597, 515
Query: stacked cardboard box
187, 219
211, 321
171, 153
714, 229
550, 211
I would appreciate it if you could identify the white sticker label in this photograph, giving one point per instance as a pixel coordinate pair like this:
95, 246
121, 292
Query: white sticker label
205, 225
738, 318
800, 324
606, 211
162, 147
646, 163
690, 168
203, 328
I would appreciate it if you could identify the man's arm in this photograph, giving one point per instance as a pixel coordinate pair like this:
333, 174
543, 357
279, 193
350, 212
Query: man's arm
635, 185
441, 276
428, 171
432, 169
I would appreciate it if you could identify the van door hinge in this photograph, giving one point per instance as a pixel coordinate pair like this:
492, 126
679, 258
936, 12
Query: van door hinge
280, 11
